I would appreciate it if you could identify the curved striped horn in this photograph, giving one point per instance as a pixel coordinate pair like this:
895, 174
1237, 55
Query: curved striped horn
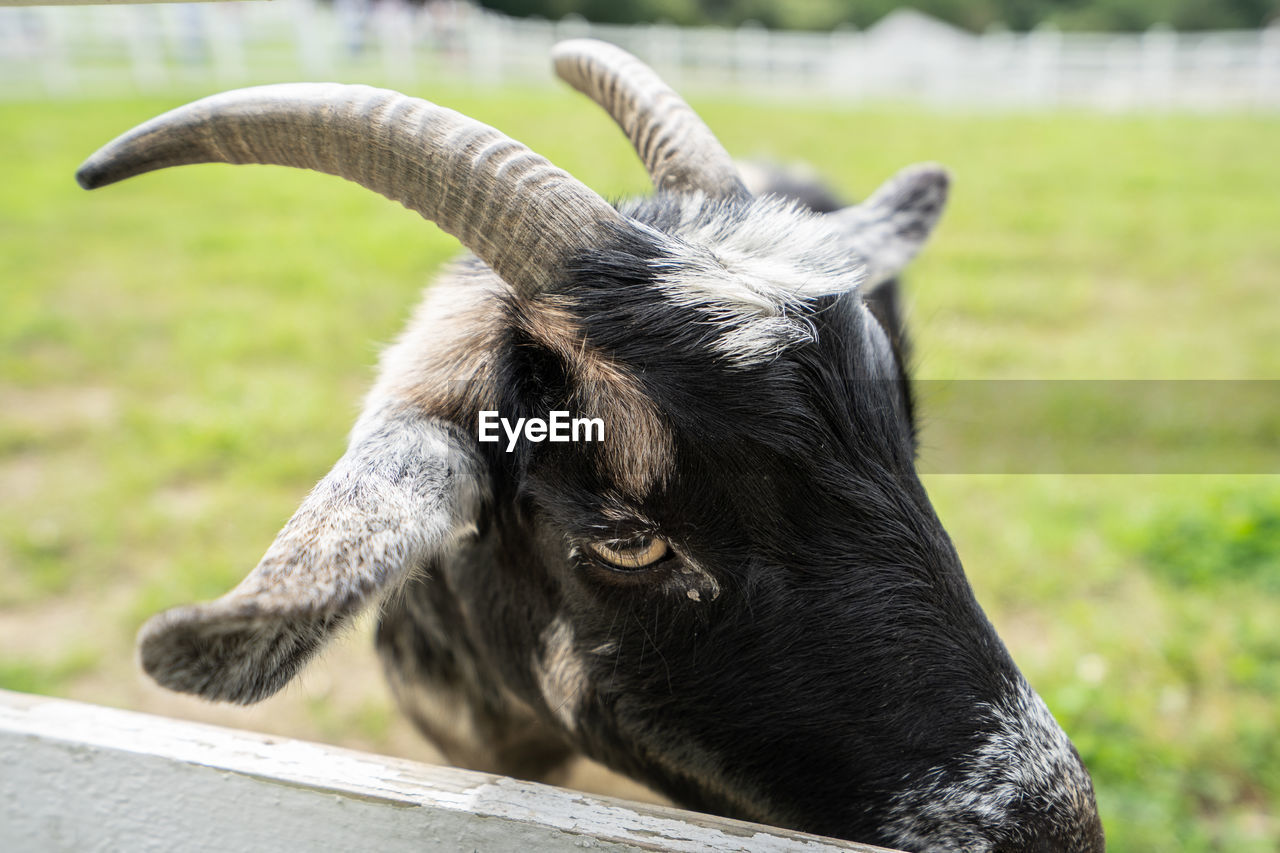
679, 151
517, 212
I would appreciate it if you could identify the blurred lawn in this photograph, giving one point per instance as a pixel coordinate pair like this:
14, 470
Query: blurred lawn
184, 353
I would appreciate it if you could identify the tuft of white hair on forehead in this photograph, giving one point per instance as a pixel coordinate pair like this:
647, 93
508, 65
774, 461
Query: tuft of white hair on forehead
752, 274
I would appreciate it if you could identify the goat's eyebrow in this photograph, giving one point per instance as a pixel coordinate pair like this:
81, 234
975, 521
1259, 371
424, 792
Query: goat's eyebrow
621, 527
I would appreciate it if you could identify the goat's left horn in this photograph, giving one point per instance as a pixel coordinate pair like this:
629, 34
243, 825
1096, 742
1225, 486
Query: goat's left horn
679, 151
521, 215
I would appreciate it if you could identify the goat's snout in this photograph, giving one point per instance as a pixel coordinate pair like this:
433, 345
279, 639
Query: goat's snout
1088, 839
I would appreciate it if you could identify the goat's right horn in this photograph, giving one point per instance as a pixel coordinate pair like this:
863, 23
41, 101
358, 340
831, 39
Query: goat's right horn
518, 213
679, 151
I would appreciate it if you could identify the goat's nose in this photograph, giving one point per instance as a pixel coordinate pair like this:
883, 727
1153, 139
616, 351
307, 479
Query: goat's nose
1083, 836
1048, 841
1045, 844
1042, 843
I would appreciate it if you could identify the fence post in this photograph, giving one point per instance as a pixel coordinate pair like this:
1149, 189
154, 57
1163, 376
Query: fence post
572, 26
662, 51
1120, 81
1043, 57
751, 56
149, 73
226, 42
60, 77
1159, 65
1267, 79
841, 66
484, 41
395, 25
314, 56
997, 52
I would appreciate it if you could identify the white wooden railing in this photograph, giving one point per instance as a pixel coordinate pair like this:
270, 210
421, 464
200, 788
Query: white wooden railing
118, 49
76, 777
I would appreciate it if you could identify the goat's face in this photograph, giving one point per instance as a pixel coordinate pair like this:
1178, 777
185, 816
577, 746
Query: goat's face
741, 595
765, 618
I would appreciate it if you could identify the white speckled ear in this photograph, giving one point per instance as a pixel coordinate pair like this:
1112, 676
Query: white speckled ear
406, 489
890, 227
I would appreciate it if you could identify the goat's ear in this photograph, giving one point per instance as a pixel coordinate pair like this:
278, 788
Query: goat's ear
890, 227
884, 301
406, 489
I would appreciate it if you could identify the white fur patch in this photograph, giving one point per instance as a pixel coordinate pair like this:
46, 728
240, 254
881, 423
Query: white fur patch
694, 580
753, 267
561, 672
754, 271
1027, 759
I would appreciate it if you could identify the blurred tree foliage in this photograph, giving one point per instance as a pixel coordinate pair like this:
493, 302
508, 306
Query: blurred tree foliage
973, 14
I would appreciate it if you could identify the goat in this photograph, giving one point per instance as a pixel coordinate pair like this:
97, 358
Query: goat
741, 596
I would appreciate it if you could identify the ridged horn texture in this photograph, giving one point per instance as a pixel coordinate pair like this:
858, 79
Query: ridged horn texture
679, 151
521, 215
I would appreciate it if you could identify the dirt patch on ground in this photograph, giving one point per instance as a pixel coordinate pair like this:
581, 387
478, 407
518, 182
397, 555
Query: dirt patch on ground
21, 478
59, 408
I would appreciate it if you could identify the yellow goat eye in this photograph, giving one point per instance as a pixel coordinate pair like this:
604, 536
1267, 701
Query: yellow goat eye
638, 553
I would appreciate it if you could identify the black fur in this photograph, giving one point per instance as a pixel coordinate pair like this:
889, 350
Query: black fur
845, 657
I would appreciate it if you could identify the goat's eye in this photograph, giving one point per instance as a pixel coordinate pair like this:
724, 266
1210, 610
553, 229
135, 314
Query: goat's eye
630, 554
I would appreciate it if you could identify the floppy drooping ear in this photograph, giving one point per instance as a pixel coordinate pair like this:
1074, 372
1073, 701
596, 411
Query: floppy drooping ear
889, 228
405, 490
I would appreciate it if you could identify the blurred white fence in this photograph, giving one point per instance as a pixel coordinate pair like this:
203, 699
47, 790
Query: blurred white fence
120, 49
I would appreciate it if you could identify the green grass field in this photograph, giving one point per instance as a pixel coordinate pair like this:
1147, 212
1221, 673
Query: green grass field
183, 354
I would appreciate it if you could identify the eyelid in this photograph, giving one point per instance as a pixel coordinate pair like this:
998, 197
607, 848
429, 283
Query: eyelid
635, 557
